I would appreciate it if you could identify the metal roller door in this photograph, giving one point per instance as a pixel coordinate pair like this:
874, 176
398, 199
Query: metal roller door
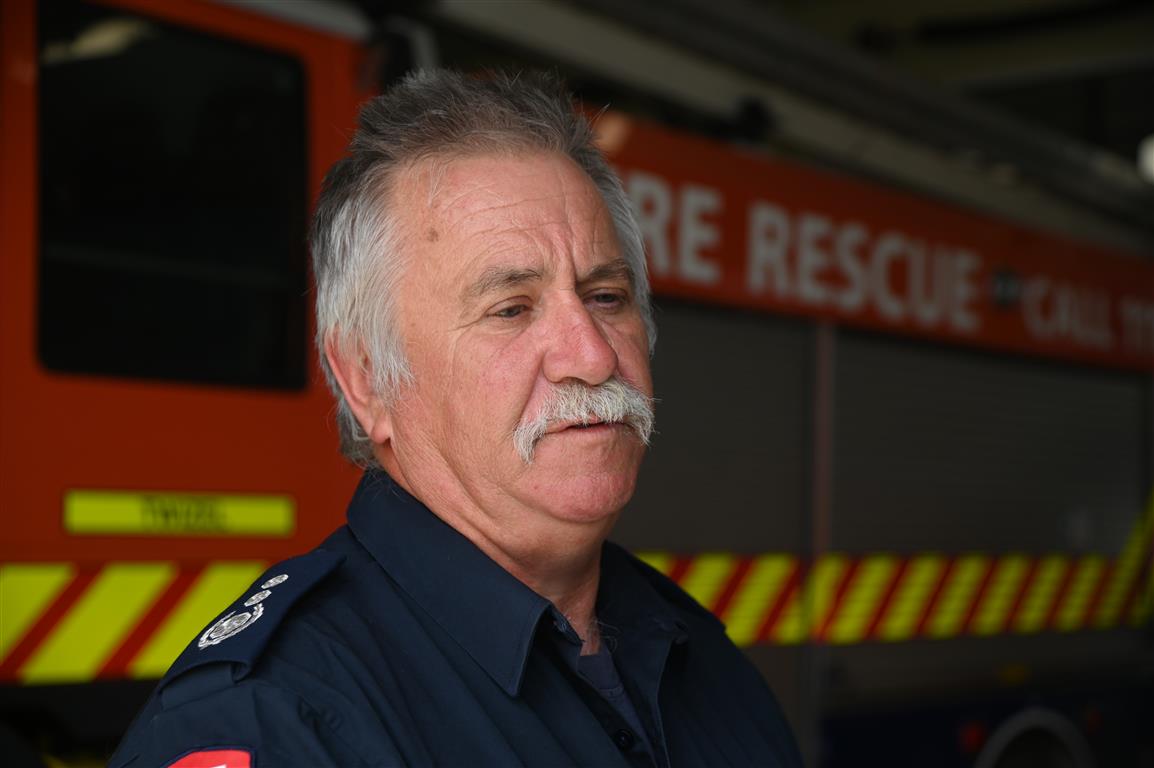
969, 454
728, 467
947, 449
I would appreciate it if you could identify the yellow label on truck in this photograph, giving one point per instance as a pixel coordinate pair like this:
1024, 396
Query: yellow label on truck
177, 514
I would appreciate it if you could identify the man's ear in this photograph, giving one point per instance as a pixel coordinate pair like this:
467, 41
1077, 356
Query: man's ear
353, 376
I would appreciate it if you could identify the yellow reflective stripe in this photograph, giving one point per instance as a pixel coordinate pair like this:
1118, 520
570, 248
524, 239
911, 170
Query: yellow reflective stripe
1126, 569
1144, 601
100, 619
821, 589
659, 561
218, 586
1035, 607
861, 601
177, 514
955, 598
909, 601
791, 627
1073, 608
706, 577
751, 603
26, 591
998, 599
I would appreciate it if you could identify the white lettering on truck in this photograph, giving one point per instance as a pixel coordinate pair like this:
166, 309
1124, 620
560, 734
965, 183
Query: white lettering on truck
1138, 325
840, 265
653, 206
696, 234
653, 201
768, 240
1056, 310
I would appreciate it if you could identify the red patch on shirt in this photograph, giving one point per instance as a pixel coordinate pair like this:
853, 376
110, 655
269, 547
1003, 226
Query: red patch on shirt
215, 758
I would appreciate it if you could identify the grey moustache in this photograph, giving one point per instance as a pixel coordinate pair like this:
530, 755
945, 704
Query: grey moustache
615, 402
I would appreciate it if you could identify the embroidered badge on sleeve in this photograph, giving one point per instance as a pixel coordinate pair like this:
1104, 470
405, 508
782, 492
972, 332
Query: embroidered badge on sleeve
214, 758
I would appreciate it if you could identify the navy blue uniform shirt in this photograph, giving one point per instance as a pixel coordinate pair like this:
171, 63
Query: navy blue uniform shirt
398, 642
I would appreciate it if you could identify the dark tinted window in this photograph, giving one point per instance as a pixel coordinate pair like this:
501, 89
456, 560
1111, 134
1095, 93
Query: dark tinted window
173, 197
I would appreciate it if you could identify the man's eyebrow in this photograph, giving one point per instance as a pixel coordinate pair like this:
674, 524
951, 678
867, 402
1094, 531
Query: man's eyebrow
498, 277
618, 269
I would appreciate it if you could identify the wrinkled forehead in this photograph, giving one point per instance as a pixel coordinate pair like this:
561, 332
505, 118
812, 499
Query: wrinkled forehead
492, 190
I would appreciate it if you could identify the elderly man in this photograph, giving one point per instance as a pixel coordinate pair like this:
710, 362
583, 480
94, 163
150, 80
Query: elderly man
483, 314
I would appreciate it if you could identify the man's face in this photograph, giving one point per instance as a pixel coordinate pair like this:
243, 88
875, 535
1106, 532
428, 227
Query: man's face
513, 283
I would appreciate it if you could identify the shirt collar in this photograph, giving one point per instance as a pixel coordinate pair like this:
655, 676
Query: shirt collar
628, 600
485, 608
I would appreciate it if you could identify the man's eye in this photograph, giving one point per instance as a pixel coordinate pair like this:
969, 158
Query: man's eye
607, 300
510, 312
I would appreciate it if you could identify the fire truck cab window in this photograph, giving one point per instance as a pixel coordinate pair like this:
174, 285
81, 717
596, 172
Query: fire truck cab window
173, 202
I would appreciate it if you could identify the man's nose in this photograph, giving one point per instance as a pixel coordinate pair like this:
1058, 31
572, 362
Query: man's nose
577, 347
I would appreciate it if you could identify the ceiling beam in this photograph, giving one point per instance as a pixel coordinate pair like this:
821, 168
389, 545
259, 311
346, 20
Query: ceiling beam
762, 44
1045, 53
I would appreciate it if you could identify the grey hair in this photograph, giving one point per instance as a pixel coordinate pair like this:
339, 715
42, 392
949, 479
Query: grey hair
356, 246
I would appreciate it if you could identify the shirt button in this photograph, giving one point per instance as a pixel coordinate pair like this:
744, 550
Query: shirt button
624, 739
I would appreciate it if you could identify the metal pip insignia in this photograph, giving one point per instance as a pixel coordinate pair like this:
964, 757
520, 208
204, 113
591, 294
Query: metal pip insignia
229, 626
259, 596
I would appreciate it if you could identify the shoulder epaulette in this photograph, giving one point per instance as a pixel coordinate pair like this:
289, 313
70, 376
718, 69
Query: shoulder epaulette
240, 633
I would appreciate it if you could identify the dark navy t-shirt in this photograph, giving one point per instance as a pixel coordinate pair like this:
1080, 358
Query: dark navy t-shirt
398, 642
599, 671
